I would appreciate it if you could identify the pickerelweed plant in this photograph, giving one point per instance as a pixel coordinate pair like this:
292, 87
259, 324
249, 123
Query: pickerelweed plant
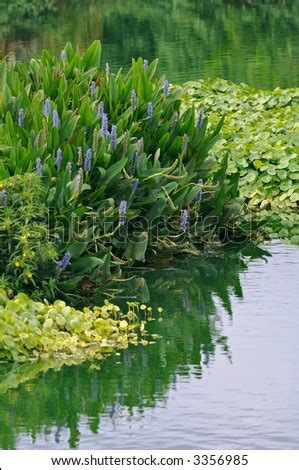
123, 172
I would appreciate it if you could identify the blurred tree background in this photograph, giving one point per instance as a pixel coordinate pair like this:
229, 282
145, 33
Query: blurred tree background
244, 41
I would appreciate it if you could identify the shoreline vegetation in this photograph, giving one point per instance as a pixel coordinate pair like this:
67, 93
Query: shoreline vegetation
101, 171
261, 136
31, 331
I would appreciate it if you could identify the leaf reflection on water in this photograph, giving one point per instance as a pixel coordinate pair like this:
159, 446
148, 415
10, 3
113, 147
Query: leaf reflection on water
40, 396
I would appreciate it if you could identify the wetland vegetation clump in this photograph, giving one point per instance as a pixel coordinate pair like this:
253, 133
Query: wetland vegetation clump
99, 170
32, 330
260, 135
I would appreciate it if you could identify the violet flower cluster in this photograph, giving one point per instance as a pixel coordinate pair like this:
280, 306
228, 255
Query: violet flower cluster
38, 167
3, 198
104, 128
184, 221
122, 212
87, 161
64, 262
21, 117
58, 160
113, 137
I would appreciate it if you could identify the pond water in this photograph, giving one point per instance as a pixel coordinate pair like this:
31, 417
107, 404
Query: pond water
225, 373
251, 41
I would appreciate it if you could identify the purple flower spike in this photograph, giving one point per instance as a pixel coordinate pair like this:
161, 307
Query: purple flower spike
107, 68
145, 64
87, 161
150, 110
21, 117
58, 160
133, 162
55, 118
63, 55
47, 108
113, 137
135, 185
64, 262
69, 167
199, 192
140, 145
199, 119
184, 220
3, 198
174, 120
122, 212
185, 144
104, 129
100, 109
93, 88
166, 88
133, 100
38, 167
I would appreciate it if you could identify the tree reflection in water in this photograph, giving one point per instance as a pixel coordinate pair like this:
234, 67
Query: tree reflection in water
39, 398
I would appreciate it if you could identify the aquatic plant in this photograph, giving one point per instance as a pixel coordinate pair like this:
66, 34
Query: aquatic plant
93, 88
133, 99
135, 185
38, 167
64, 262
58, 160
113, 137
199, 119
21, 117
122, 212
38, 330
87, 161
165, 88
63, 55
27, 255
55, 118
260, 136
184, 220
146, 170
47, 108
150, 109
3, 198
104, 128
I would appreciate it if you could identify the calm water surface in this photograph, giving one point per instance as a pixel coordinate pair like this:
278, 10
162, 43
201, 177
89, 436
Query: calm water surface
254, 41
225, 373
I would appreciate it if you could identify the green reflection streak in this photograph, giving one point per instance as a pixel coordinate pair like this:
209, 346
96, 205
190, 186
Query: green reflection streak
255, 42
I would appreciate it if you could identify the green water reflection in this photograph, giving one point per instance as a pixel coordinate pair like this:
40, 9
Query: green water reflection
251, 41
36, 400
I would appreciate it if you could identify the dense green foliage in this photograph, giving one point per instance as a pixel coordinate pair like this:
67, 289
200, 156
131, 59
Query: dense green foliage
37, 330
118, 187
261, 136
31, 9
25, 249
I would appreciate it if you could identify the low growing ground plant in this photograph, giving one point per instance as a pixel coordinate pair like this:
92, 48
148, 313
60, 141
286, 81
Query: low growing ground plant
261, 136
38, 330
122, 172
